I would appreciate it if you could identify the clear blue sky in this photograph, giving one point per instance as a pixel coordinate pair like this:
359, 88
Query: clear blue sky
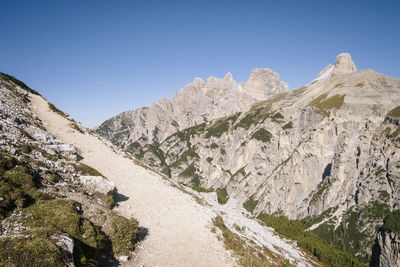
94, 59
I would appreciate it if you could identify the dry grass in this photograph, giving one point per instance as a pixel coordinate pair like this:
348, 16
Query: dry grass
324, 104
248, 256
394, 112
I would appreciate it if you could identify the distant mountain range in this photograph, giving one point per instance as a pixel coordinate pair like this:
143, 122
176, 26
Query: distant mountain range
326, 155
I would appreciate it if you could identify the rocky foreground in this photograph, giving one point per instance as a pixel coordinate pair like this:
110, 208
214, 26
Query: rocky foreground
54, 210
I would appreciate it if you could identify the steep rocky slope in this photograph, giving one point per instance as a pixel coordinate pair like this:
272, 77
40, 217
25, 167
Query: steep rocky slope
57, 211
50, 212
196, 103
326, 154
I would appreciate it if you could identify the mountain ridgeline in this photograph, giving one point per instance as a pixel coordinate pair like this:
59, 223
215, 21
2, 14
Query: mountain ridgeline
325, 155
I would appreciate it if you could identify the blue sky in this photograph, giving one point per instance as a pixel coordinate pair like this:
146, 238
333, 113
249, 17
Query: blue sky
95, 59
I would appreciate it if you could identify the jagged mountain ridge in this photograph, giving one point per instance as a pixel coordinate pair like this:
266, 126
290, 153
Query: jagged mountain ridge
327, 152
195, 103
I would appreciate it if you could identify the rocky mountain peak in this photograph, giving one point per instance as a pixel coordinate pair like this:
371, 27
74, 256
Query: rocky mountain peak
198, 82
344, 63
263, 83
228, 76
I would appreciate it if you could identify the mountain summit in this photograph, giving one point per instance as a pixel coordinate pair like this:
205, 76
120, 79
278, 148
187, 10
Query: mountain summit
344, 63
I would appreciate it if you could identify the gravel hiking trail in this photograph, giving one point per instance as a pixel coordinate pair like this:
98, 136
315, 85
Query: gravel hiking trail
179, 229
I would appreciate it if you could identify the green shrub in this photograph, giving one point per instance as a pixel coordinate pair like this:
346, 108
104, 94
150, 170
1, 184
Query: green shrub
309, 241
250, 204
288, 125
209, 159
262, 135
391, 223
222, 151
255, 116
124, 234
222, 195
277, 117
185, 156
214, 146
217, 129
190, 171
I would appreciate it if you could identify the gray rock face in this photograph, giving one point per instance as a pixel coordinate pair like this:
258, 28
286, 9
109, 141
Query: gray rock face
67, 245
389, 244
344, 63
264, 78
194, 104
329, 150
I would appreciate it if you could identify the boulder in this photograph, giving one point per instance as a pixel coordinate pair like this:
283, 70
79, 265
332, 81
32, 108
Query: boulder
97, 184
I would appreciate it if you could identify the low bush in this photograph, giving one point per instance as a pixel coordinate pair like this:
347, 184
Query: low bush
124, 234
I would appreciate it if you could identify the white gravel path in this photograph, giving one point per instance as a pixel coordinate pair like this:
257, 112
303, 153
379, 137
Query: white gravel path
179, 227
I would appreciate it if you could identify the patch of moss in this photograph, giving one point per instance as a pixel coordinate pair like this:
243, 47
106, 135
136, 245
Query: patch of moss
46, 217
27, 251
86, 170
222, 195
262, 135
18, 186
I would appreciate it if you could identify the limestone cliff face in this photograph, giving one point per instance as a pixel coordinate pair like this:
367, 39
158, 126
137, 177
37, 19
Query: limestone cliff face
261, 79
387, 250
196, 103
327, 152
